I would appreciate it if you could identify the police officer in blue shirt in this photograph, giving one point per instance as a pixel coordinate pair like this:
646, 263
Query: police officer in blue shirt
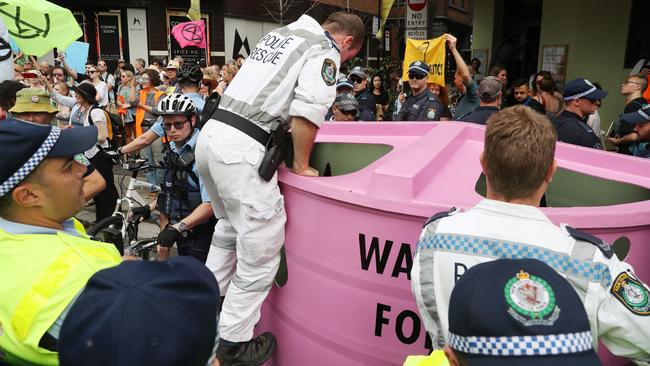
187, 215
366, 99
422, 104
582, 98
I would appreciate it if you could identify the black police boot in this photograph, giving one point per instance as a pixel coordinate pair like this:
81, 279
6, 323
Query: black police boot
252, 353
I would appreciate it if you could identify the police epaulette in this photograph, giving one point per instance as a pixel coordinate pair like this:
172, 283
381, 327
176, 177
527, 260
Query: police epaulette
600, 243
439, 215
586, 127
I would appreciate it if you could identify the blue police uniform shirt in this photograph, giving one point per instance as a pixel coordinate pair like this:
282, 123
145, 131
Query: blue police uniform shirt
574, 130
24, 229
367, 106
422, 107
190, 146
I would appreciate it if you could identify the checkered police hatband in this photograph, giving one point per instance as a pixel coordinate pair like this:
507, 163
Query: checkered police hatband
32, 163
418, 68
539, 345
577, 96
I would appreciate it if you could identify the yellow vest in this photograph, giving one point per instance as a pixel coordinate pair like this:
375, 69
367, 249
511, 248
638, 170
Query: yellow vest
40, 274
436, 358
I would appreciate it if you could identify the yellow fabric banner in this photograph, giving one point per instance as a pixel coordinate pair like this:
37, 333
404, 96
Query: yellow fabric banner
386, 5
194, 13
431, 51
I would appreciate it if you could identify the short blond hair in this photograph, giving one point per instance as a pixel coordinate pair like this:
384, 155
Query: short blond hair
519, 150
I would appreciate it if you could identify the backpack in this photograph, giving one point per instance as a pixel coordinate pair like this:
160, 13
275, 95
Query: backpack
211, 105
113, 124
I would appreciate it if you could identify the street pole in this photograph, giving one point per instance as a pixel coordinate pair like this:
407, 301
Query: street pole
380, 50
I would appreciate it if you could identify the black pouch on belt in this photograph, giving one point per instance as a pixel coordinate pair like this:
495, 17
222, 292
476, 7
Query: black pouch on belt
276, 149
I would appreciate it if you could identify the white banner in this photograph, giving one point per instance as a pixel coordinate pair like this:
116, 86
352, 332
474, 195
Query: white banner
137, 33
241, 35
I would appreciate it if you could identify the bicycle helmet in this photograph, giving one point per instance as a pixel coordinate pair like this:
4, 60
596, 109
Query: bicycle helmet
175, 104
190, 72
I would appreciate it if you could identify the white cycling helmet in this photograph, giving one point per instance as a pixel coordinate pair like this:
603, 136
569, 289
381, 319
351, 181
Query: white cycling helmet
175, 104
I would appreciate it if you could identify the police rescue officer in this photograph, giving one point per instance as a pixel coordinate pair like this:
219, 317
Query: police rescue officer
518, 161
46, 258
422, 104
184, 203
582, 99
292, 85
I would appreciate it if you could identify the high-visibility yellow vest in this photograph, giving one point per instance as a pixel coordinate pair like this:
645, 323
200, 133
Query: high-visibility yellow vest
40, 274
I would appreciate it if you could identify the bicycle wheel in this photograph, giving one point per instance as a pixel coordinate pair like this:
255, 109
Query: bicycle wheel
115, 221
108, 230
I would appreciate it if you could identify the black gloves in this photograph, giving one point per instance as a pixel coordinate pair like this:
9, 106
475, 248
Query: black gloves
168, 236
144, 212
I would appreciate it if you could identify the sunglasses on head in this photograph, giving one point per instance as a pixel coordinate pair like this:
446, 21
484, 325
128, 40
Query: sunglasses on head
177, 125
413, 75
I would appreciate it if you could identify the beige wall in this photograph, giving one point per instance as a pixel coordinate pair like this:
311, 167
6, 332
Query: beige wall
596, 32
483, 26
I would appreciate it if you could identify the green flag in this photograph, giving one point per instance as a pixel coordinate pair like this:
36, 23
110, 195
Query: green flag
38, 26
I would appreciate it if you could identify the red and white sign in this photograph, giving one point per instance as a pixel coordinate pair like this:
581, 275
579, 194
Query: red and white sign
416, 19
417, 5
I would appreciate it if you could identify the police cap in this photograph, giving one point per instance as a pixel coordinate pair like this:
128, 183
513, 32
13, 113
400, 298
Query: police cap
24, 145
582, 88
419, 68
519, 312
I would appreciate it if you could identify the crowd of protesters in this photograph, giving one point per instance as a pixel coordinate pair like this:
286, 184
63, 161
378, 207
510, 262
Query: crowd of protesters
122, 109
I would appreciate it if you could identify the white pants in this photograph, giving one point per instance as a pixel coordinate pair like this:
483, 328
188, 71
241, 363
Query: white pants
245, 251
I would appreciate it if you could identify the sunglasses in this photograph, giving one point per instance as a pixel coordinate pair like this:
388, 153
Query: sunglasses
92, 71
177, 125
415, 76
349, 113
57, 74
356, 80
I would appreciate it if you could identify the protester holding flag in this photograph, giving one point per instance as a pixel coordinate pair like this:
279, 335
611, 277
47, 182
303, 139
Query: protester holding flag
463, 81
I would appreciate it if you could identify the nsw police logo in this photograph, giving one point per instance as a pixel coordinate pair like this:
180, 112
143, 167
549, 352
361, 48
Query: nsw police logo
531, 300
632, 294
431, 113
328, 72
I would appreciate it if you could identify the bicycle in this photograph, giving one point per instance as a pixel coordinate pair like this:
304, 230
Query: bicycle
121, 229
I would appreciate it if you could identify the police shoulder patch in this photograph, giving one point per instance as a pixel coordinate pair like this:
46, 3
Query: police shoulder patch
581, 235
632, 294
328, 72
431, 113
439, 215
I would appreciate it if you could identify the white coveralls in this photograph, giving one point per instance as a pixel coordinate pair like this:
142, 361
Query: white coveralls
291, 72
493, 229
